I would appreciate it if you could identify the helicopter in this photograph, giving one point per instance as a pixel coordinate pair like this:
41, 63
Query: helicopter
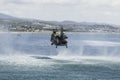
59, 40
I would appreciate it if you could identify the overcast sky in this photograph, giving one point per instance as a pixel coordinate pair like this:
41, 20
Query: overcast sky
102, 11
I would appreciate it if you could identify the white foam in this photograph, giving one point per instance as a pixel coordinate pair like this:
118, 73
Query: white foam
80, 58
24, 60
100, 43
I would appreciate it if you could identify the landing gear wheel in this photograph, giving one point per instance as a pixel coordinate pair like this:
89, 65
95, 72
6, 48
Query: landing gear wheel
66, 46
56, 46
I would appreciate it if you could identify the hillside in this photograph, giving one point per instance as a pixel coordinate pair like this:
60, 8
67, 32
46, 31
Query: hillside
13, 24
4, 16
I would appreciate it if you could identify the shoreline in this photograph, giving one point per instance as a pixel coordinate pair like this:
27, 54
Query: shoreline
49, 32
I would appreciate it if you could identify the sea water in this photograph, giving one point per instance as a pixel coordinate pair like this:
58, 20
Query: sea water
32, 57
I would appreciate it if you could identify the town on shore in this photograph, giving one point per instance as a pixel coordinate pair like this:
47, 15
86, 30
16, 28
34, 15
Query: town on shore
13, 24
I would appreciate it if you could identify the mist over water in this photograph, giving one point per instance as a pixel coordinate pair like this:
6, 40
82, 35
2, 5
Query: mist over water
92, 45
31, 57
78, 45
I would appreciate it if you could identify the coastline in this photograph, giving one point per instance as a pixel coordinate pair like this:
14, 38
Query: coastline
49, 32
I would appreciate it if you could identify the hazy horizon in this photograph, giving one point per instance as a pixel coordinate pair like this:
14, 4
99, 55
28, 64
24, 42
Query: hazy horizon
100, 11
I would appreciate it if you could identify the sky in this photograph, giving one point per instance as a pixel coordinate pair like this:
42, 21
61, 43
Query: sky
101, 11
